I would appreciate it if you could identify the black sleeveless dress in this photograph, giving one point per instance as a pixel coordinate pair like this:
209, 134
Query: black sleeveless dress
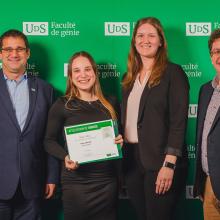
90, 192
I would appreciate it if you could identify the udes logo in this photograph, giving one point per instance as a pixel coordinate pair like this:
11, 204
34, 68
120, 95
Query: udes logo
189, 192
198, 28
65, 69
192, 111
117, 29
35, 28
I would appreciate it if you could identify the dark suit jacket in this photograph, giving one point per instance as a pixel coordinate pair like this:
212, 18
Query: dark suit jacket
162, 118
213, 145
22, 155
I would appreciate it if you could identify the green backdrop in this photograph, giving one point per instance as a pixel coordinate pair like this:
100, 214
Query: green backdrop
58, 29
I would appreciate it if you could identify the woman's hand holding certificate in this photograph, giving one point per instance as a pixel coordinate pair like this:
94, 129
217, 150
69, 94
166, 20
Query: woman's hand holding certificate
69, 164
93, 142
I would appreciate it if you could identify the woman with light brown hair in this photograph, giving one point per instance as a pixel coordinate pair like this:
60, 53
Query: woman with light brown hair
154, 116
89, 190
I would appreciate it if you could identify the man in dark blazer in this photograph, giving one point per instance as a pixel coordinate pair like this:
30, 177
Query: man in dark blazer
27, 173
207, 178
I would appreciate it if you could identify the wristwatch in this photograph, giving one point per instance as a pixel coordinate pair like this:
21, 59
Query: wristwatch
169, 165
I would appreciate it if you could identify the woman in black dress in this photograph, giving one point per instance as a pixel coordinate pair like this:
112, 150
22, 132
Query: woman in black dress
89, 191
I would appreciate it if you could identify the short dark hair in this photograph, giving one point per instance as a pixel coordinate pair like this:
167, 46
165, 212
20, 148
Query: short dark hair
214, 35
14, 33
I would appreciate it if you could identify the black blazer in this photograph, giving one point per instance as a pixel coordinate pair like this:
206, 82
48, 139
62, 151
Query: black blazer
162, 117
213, 145
22, 155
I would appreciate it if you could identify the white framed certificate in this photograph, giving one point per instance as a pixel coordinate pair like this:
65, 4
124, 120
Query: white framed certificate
92, 142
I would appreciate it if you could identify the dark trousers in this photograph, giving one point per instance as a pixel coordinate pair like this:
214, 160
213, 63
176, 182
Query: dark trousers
19, 208
141, 189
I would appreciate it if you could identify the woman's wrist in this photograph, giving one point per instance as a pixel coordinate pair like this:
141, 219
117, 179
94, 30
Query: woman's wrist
169, 165
170, 161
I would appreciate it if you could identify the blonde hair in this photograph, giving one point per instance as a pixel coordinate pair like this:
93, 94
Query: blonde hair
72, 91
135, 64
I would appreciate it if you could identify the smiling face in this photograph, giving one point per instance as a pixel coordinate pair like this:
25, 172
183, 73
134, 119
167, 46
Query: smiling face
14, 56
147, 41
215, 55
83, 75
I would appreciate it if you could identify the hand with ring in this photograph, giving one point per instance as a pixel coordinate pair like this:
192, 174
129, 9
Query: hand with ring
164, 180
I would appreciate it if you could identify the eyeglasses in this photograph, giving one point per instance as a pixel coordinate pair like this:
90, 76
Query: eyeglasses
9, 50
215, 52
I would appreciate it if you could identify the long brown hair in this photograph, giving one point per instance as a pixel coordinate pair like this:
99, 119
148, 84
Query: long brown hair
135, 64
72, 91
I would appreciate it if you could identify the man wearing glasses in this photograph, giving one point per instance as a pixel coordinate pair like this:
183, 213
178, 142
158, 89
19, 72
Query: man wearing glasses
26, 171
207, 179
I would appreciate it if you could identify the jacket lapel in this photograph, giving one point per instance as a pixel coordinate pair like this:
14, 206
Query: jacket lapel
141, 106
143, 101
204, 102
216, 119
6, 100
32, 86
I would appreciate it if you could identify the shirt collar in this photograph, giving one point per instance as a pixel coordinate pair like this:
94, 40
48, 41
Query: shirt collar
23, 77
215, 82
